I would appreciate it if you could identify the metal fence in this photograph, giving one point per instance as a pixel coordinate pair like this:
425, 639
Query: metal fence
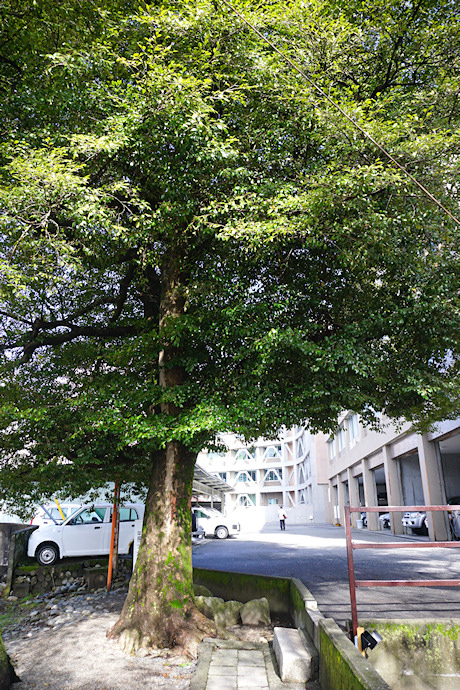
352, 546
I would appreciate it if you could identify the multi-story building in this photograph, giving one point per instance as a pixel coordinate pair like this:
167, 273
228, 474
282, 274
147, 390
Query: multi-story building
395, 467
288, 472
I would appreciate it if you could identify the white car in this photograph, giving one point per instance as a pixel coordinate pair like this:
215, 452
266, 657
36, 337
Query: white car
86, 532
215, 524
51, 515
416, 521
384, 520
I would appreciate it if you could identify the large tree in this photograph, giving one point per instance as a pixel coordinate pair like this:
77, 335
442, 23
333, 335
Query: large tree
194, 241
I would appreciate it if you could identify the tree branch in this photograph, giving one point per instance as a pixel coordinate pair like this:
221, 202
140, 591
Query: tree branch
77, 332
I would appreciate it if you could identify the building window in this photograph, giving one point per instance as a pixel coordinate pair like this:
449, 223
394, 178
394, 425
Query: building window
222, 475
245, 454
213, 455
332, 448
246, 476
274, 475
341, 438
272, 501
272, 452
300, 447
353, 427
247, 500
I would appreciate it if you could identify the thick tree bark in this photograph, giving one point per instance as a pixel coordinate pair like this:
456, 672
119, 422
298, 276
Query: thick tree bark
159, 610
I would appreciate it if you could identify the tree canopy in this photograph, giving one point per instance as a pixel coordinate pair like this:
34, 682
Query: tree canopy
194, 241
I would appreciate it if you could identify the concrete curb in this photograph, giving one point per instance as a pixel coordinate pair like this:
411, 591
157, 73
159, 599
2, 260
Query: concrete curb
200, 676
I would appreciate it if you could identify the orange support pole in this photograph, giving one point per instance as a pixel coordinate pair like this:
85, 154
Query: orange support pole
113, 555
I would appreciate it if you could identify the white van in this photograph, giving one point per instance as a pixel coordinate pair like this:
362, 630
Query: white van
214, 523
50, 514
86, 532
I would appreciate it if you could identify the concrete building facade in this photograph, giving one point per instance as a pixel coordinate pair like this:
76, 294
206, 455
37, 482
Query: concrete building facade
393, 467
288, 472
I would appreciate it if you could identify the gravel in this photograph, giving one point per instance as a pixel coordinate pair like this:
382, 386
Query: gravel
59, 642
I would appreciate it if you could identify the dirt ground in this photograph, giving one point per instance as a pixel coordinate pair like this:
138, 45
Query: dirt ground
78, 656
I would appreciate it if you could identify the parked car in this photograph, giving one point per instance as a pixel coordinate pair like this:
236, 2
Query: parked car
86, 532
416, 521
214, 523
384, 520
51, 515
454, 517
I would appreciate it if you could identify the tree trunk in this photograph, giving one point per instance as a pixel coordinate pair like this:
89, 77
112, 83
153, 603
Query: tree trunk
159, 610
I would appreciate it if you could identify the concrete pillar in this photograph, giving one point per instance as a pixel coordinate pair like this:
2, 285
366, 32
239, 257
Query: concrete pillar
354, 495
369, 495
394, 493
433, 488
342, 500
331, 494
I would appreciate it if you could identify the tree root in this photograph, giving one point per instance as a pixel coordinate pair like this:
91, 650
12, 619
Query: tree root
181, 635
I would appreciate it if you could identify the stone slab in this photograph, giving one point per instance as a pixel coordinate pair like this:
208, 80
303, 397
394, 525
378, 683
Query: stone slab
294, 660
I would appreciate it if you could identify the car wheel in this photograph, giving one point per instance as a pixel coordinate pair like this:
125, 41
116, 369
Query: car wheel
221, 532
47, 554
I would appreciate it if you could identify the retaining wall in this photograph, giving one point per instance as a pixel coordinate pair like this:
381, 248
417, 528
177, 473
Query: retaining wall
342, 667
6, 531
422, 654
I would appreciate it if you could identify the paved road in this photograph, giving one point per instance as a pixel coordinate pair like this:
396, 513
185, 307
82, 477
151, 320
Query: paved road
316, 554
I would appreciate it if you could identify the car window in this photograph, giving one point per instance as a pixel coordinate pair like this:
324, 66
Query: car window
91, 515
126, 514
200, 514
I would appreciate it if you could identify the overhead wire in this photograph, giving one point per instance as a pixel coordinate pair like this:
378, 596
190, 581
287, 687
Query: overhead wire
355, 124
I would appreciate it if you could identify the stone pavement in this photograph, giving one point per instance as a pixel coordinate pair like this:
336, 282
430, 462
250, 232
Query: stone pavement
234, 665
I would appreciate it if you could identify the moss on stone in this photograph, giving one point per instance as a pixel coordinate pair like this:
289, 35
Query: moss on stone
421, 649
7, 674
245, 587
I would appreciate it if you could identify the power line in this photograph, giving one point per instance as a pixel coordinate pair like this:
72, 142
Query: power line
337, 106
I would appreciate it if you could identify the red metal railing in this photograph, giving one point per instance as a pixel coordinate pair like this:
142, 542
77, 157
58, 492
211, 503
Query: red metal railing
352, 546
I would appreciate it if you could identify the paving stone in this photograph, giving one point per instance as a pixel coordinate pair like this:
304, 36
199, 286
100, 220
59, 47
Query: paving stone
219, 670
223, 683
226, 657
251, 681
250, 655
253, 659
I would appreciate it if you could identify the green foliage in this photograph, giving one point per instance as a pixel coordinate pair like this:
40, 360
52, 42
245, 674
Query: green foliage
169, 185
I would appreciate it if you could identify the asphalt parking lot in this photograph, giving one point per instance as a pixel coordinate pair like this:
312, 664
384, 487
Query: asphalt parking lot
316, 554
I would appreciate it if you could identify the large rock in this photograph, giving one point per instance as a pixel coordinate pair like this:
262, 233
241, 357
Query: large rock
228, 613
224, 613
201, 591
255, 612
208, 605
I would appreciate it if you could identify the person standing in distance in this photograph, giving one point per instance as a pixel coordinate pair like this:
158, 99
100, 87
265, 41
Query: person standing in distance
282, 518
